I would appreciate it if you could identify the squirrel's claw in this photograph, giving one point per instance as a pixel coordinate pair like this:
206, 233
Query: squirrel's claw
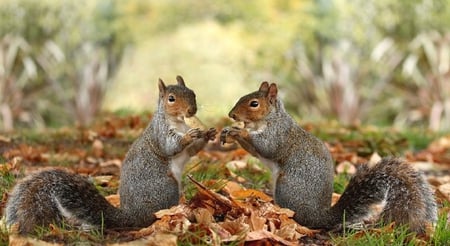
195, 133
228, 134
210, 135
223, 135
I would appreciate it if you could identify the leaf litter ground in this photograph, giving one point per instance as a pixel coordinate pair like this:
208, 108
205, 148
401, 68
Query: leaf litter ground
226, 200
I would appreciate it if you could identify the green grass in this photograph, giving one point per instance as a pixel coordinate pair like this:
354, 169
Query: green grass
385, 235
441, 234
4, 236
399, 236
340, 182
419, 139
366, 140
256, 175
202, 171
7, 179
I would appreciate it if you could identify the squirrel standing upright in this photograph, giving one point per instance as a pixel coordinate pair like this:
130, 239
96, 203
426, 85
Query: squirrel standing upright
302, 171
150, 177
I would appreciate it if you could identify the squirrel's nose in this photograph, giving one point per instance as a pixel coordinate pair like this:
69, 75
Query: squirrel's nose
232, 115
192, 111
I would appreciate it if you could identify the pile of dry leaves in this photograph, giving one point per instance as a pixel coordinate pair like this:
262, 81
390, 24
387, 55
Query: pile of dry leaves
232, 214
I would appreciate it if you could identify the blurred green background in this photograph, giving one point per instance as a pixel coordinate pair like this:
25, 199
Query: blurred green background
384, 62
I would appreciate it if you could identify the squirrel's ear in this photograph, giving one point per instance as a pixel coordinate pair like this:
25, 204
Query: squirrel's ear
264, 86
180, 81
162, 87
273, 91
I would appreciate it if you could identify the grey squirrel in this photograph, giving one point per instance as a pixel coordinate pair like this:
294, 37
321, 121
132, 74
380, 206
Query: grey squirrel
150, 178
302, 171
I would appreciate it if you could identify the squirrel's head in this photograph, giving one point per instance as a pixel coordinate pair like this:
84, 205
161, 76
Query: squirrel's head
178, 100
256, 105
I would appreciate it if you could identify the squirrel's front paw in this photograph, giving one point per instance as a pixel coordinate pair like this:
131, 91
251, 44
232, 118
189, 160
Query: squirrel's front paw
210, 135
194, 133
228, 134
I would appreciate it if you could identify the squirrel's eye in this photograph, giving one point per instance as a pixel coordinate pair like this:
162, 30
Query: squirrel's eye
254, 104
171, 98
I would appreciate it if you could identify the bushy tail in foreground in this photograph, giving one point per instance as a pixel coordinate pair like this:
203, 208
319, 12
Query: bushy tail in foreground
407, 196
53, 195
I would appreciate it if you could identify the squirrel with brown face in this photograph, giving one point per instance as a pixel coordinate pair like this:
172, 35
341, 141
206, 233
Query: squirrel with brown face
150, 177
302, 171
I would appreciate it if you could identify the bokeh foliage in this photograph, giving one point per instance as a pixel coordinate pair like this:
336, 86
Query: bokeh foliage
56, 59
382, 62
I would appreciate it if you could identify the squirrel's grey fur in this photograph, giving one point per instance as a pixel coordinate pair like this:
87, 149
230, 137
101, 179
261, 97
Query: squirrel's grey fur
302, 171
149, 180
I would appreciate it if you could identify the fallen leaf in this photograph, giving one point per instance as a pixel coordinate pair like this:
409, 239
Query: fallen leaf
346, 167
445, 190
236, 165
16, 240
97, 148
306, 231
289, 232
440, 145
236, 227
5, 139
113, 162
246, 193
257, 222
114, 200
335, 198
203, 216
374, 159
231, 187
175, 210
261, 235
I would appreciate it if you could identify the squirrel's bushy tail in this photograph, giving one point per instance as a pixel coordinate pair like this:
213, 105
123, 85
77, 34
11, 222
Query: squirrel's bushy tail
407, 195
53, 195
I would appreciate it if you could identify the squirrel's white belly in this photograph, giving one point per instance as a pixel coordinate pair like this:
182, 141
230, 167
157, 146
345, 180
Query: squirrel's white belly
274, 168
177, 165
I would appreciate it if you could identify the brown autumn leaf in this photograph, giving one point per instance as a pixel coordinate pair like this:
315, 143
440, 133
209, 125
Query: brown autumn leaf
437, 151
444, 189
181, 209
440, 145
156, 239
97, 148
346, 167
27, 152
335, 198
161, 239
237, 228
114, 200
264, 235
246, 193
16, 240
203, 216
374, 159
258, 213
289, 232
5, 139
219, 200
257, 222
231, 187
